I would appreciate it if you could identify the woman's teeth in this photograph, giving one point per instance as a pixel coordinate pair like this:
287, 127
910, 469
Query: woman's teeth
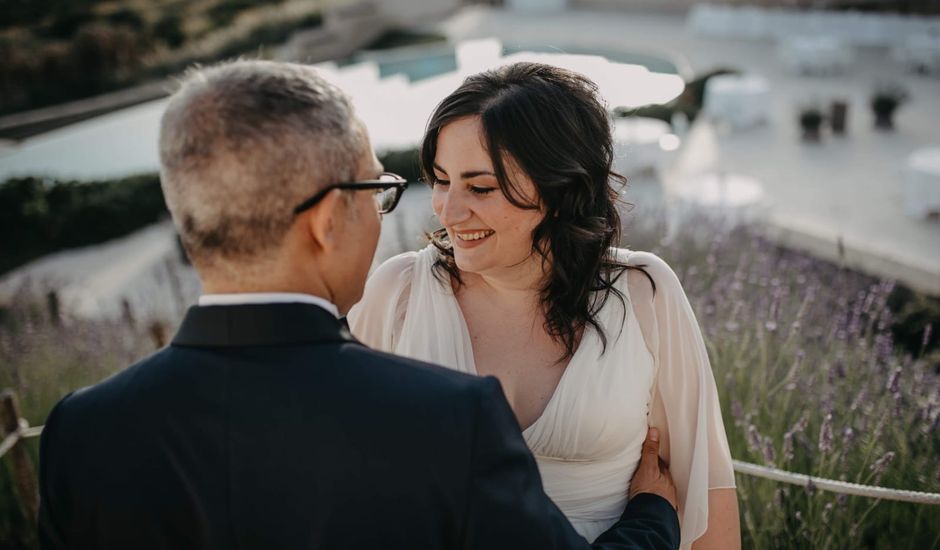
474, 236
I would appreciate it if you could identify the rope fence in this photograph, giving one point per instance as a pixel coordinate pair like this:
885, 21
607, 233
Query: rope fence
836, 486
17, 430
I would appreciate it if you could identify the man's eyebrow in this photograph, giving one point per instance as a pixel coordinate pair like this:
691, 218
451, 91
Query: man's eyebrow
468, 174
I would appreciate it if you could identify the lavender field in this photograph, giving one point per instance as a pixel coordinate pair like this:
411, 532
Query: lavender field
816, 376
815, 371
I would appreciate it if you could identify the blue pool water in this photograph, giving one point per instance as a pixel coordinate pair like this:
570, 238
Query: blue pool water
425, 62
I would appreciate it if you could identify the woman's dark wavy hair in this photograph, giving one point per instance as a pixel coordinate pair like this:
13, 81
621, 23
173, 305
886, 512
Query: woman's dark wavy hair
550, 122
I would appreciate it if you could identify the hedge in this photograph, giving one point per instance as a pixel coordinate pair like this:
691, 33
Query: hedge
39, 216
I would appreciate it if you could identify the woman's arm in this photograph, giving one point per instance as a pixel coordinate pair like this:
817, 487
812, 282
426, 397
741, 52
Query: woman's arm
684, 406
724, 524
374, 320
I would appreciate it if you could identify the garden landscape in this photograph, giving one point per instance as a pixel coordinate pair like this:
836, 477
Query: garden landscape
779, 186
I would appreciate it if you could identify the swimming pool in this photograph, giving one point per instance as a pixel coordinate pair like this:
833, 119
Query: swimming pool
424, 61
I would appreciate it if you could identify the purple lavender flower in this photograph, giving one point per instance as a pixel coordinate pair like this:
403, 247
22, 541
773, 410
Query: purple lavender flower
884, 346
825, 435
801, 424
848, 436
787, 447
926, 339
880, 465
770, 455
861, 398
753, 438
894, 381
737, 411
810, 487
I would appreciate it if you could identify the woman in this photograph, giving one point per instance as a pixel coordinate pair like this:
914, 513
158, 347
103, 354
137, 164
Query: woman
590, 343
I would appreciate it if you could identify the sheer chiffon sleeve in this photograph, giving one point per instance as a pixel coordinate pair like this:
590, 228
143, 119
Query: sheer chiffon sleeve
684, 404
377, 319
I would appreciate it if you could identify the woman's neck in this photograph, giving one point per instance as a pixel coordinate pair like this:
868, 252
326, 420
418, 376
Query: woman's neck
512, 285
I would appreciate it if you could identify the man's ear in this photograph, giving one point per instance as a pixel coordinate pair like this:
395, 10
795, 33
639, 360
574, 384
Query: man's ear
324, 220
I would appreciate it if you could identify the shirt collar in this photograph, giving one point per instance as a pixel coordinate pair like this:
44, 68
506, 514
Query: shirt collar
243, 298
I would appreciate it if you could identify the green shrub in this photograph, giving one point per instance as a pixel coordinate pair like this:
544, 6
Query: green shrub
397, 38
99, 51
267, 35
39, 216
404, 163
226, 11
36, 72
128, 17
169, 29
67, 22
65, 51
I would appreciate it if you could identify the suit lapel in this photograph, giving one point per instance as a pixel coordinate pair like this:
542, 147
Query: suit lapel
259, 325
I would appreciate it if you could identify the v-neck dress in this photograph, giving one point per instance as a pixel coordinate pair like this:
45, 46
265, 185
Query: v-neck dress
587, 441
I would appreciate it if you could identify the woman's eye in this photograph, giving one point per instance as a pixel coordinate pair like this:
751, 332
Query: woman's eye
481, 190
439, 181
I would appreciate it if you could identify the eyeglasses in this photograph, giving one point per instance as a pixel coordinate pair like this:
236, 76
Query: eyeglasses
389, 188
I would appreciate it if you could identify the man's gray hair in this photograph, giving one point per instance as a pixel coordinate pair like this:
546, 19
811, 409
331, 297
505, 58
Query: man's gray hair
241, 144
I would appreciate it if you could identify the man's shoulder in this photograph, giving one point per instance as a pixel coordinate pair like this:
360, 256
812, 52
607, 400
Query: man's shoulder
108, 392
411, 374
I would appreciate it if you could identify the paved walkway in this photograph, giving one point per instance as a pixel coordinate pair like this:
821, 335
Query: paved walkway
844, 190
142, 268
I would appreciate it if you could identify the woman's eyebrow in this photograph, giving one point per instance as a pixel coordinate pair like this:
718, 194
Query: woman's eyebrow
468, 174
476, 173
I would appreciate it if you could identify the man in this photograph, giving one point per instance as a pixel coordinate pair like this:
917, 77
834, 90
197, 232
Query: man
265, 424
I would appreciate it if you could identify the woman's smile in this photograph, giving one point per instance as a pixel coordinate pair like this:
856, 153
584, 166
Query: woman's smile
470, 239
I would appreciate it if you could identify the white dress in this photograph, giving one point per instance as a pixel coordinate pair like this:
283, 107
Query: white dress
587, 442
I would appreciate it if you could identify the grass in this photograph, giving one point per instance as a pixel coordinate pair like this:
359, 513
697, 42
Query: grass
812, 375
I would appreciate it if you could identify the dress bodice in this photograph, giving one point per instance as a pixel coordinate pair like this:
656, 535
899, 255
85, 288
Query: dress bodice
588, 440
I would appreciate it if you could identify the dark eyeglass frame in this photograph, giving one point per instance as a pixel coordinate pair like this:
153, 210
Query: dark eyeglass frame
398, 183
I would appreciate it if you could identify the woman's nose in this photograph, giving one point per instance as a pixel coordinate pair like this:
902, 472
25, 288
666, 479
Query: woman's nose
453, 208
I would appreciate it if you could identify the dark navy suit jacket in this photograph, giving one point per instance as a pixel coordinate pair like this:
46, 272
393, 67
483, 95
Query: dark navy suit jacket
269, 426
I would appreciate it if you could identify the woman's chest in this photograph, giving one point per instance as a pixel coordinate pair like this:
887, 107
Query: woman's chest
600, 406
527, 361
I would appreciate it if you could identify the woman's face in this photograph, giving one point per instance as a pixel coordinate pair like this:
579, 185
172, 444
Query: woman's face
488, 233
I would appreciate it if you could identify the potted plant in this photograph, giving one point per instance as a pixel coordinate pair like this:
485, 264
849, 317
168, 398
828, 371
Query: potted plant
811, 120
886, 99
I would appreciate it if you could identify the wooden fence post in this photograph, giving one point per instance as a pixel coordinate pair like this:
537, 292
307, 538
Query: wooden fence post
24, 475
52, 304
